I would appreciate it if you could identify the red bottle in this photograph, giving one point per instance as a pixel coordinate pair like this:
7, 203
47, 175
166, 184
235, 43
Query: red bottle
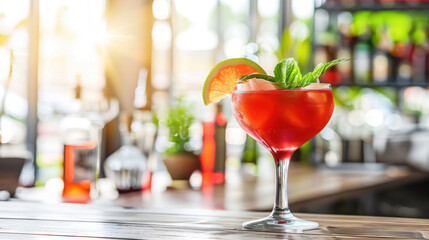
213, 154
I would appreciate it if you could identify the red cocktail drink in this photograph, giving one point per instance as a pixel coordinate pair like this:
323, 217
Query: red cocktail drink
283, 120
281, 112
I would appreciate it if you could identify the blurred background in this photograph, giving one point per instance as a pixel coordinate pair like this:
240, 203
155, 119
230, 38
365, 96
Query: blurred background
136, 69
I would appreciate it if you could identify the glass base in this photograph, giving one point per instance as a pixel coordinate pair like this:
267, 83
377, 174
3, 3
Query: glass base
280, 223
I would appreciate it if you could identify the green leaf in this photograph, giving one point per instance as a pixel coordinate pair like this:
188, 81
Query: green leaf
262, 76
287, 72
320, 69
280, 71
309, 78
257, 75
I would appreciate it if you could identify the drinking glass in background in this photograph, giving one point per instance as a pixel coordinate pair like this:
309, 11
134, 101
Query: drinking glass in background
82, 138
127, 166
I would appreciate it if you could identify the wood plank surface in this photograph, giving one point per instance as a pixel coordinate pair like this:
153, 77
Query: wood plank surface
24, 220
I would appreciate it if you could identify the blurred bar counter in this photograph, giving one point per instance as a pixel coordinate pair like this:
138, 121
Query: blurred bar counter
308, 186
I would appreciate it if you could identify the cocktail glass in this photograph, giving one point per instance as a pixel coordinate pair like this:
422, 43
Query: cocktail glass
282, 120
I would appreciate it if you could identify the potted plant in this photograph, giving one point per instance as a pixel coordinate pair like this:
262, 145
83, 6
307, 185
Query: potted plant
179, 159
11, 162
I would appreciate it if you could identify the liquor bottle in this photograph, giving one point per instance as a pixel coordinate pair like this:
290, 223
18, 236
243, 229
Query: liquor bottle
402, 47
418, 55
349, 3
143, 127
345, 48
140, 97
381, 59
325, 51
427, 57
249, 160
367, 3
401, 69
405, 68
145, 131
80, 164
220, 144
213, 154
362, 59
331, 76
388, 3
207, 157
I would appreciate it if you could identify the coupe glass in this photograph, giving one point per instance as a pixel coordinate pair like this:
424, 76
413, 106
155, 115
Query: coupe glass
282, 120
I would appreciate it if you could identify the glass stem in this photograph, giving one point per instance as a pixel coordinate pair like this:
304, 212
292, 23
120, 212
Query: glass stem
281, 207
99, 131
98, 156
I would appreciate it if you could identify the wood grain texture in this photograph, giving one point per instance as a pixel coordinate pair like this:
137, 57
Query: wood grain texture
22, 220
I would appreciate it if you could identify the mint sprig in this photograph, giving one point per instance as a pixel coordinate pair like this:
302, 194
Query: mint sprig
257, 75
287, 74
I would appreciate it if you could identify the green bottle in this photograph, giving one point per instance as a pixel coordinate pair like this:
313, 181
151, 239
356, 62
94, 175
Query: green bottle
249, 160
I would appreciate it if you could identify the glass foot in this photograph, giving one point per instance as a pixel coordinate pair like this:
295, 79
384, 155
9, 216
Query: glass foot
287, 223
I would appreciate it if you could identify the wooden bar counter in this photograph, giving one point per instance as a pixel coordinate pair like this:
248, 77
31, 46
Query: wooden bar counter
24, 220
307, 186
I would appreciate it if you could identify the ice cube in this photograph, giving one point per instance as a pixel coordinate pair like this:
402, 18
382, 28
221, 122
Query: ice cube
317, 86
316, 96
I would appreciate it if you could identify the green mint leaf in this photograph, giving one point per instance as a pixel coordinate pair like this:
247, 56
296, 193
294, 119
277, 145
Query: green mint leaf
262, 76
280, 70
287, 73
320, 69
257, 75
309, 78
